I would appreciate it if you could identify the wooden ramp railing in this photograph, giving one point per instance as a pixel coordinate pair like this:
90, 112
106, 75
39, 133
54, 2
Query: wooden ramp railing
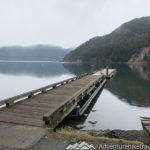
52, 103
30, 94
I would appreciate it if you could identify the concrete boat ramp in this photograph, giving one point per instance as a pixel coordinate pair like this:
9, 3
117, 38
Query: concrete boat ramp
13, 136
23, 118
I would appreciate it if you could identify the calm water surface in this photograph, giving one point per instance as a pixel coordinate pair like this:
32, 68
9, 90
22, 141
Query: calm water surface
119, 106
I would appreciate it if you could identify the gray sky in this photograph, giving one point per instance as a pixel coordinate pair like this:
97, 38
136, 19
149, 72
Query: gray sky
67, 23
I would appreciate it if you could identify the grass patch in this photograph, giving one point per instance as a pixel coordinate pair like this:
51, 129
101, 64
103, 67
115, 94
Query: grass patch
74, 140
77, 136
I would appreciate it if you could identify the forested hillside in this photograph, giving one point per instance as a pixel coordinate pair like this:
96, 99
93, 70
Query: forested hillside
119, 46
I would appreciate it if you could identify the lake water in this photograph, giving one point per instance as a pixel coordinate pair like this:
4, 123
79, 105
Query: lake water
119, 105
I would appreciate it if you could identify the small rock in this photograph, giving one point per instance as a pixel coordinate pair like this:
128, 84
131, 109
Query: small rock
92, 122
111, 134
93, 110
80, 126
46, 137
85, 115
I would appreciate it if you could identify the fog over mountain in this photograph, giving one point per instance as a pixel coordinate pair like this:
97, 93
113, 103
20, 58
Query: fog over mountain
33, 53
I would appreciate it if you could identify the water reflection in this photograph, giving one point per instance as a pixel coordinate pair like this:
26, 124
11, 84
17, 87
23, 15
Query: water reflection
78, 69
122, 102
38, 69
111, 113
119, 106
20, 77
73, 121
132, 85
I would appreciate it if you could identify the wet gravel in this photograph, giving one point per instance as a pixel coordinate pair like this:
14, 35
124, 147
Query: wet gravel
132, 135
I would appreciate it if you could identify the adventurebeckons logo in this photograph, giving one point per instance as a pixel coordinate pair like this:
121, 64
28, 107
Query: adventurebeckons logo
80, 146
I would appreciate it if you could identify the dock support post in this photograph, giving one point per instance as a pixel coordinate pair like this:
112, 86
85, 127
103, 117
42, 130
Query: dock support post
107, 72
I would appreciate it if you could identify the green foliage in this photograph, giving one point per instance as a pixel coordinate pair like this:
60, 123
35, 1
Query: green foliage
74, 140
79, 136
117, 46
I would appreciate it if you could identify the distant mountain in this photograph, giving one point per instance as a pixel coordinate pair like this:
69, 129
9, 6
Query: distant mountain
33, 53
128, 43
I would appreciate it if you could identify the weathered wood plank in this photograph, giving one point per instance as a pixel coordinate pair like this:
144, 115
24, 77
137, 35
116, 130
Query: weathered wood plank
146, 123
145, 118
147, 128
38, 109
22, 111
48, 115
39, 105
30, 94
50, 105
91, 98
21, 120
14, 114
50, 102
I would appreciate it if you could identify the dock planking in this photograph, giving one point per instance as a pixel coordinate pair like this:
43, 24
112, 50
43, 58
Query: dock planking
51, 104
146, 123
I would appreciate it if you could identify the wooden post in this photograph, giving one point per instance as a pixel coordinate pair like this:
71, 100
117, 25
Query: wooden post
107, 72
43, 90
31, 95
92, 68
9, 103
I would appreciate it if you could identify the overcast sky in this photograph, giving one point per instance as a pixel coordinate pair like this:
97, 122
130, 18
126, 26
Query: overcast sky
67, 23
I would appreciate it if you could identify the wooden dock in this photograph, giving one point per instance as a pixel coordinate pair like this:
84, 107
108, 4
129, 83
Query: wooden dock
51, 104
146, 123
